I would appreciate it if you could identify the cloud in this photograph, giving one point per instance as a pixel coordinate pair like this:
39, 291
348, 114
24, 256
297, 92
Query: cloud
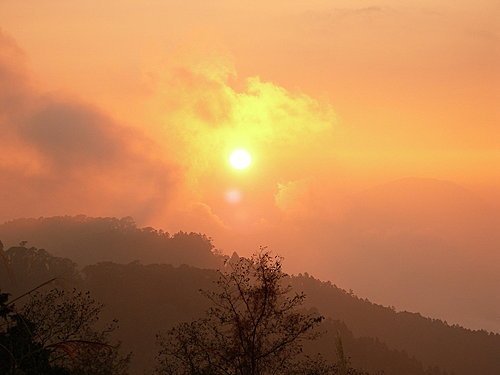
207, 111
210, 111
69, 134
296, 198
60, 155
14, 82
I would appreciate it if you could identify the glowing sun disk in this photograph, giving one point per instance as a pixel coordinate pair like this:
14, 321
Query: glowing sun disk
240, 159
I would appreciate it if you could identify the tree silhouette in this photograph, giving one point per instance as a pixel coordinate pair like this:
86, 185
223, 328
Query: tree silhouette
20, 353
65, 322
54, 334
254, 326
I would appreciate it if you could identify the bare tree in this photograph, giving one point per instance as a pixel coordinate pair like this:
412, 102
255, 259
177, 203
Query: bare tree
254, 326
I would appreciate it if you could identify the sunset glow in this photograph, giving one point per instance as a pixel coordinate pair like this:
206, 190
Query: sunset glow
240, 159
359, 140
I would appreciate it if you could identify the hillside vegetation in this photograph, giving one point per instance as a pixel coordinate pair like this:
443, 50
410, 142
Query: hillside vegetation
146, 298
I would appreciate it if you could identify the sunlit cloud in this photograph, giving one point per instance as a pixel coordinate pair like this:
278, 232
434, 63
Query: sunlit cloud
209, 113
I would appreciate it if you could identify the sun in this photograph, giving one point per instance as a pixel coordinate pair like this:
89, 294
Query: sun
240, 159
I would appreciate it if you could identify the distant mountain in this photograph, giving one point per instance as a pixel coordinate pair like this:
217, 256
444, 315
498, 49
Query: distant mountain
89, 240
419, 244
431, 341
423, 205
149, 298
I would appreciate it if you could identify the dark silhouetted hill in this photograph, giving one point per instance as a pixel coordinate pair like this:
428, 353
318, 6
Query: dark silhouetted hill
432, 341
27, 268
88, 240
162, 295
149, 298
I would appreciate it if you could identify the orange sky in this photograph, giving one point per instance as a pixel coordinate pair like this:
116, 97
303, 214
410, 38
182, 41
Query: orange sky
334, 100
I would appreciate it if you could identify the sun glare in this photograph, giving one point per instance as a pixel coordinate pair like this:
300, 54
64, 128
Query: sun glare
240, 159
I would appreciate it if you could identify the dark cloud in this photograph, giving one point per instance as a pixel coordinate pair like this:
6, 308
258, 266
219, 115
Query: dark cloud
70, 134
62, 156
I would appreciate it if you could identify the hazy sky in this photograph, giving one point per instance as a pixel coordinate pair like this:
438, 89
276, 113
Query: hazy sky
128, 107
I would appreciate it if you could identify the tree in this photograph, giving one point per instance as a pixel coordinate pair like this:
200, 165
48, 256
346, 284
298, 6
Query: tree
254, 326
26, 267
20, 353
55, 333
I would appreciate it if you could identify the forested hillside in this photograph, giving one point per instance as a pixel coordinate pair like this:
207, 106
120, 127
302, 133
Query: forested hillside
432, 341
151, 298
87, 240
